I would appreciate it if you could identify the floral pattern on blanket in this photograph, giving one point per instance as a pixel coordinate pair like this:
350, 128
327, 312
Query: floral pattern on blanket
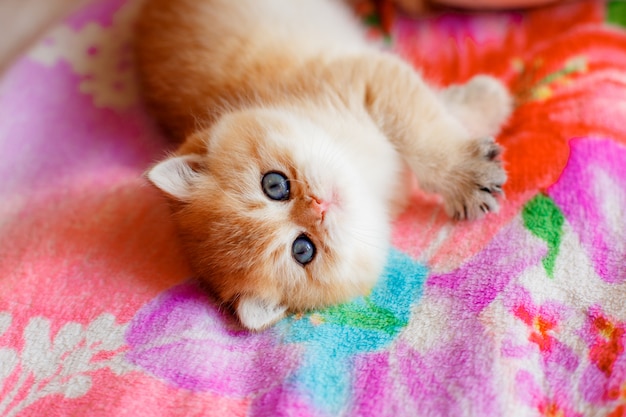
520, 314
61, 365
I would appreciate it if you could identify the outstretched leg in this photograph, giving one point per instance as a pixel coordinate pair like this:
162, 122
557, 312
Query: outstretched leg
445, 137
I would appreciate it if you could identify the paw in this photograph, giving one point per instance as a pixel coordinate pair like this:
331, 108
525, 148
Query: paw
475, 185
482, 105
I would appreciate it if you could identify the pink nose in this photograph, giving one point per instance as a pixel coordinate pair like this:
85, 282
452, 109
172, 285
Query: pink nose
319, 206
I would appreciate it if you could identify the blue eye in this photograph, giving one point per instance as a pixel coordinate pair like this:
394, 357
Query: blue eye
303, 250
275, 186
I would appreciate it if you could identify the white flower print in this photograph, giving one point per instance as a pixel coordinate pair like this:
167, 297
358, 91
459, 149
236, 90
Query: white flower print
101, 55
62, 365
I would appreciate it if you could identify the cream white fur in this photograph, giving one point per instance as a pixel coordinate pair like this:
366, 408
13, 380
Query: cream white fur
175, 176
256, 314
292, 86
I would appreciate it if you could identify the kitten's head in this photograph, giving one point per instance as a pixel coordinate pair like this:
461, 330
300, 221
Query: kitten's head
273, 215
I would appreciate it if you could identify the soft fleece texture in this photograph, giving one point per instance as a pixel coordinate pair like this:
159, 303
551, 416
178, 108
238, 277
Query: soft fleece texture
520, 314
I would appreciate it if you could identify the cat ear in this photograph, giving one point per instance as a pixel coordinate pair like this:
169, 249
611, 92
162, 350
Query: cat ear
257, 314
175, 175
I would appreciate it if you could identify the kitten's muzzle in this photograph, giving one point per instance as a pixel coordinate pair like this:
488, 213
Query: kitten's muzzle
319, 207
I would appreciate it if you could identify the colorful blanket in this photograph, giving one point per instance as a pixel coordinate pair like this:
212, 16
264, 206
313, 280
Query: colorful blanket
520, 314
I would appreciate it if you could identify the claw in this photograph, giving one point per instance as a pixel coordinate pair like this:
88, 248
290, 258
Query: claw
494, 153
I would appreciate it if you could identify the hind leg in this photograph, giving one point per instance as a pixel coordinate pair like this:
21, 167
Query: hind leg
482, 104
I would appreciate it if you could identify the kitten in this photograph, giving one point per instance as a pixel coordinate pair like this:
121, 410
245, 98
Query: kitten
295, 139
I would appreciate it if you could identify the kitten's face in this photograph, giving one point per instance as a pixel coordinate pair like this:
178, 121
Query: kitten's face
274, 216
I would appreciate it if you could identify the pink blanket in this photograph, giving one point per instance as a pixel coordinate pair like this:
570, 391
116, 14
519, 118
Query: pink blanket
520, 314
